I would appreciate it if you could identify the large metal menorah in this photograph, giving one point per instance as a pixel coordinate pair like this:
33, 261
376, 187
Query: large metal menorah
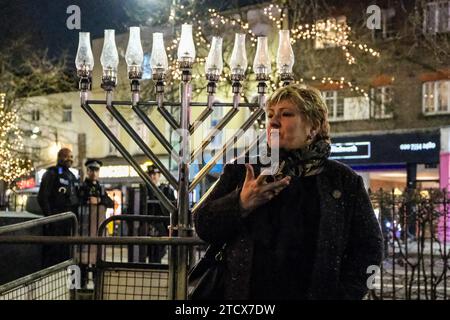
180, 222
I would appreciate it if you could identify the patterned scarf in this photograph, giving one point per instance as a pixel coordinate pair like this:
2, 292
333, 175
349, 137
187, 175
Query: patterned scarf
305, 161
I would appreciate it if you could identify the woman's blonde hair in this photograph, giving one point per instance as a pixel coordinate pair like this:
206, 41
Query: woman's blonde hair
310, 103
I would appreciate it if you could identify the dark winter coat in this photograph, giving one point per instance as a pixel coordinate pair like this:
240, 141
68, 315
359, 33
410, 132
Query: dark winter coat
349, 236
58, 191
94, 189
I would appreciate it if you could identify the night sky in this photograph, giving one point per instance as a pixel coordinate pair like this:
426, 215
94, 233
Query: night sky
44, 21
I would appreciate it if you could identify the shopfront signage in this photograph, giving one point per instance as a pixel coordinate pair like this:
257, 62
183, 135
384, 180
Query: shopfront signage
26, 183
418, 146
351, 150
121, 171
117, 172
390, 148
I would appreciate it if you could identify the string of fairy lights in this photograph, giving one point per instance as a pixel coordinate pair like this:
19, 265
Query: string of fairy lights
331, 32
328, 33
11, 140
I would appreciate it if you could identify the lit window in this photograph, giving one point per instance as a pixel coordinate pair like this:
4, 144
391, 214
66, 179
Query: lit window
387, 30
436, 17
335, 104
67, 114
35, 115
436, 97
381, 102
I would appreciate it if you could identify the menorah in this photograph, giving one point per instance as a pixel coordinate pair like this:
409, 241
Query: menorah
180, 212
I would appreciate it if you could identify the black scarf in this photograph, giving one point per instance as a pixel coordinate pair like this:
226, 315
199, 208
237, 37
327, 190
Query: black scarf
305, 161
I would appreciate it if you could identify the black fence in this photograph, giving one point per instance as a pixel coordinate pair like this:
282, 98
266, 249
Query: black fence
416, 231
132, 272
122, 266
49, 279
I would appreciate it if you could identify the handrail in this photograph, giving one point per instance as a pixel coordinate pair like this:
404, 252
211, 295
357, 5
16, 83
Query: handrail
130, 217
175, 241
31, 277
41, 221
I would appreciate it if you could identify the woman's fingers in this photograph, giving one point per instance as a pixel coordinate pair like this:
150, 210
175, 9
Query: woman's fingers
283, 183
278, 190
271, 190
261, 180
256, 191
250, 173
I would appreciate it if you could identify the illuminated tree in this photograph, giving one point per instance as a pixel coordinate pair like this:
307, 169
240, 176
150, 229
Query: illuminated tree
13, 163
24, 72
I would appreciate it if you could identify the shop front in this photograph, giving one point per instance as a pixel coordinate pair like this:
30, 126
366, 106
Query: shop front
123, 184
392, 160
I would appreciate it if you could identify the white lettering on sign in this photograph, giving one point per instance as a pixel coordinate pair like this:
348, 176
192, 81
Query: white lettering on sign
418, 146
351, 147
120, 171
114, 171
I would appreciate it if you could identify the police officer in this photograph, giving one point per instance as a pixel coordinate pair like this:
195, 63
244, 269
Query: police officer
91, 192
94, 201
58, 193
154, 208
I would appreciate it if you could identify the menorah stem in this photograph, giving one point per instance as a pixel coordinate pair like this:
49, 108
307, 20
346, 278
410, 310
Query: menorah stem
262, 89
236, 100
180, 221
160, 99
210, 100
186, 92
135, 92
109, 98
85, 86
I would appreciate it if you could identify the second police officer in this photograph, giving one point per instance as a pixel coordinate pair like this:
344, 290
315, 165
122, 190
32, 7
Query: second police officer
154, 208
94, 201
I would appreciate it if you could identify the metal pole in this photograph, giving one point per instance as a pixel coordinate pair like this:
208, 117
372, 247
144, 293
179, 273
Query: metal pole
180, 225
135, 240
42, 221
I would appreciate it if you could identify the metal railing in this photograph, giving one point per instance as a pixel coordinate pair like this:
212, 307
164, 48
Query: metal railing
416, 231
118, 274
46, 284
415, 226
49, 283
137, 271
41, 222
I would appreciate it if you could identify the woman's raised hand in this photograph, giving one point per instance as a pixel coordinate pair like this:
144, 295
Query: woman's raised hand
256, 191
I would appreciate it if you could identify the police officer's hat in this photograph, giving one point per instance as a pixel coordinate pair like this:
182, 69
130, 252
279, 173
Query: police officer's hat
151, 169
93, 163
